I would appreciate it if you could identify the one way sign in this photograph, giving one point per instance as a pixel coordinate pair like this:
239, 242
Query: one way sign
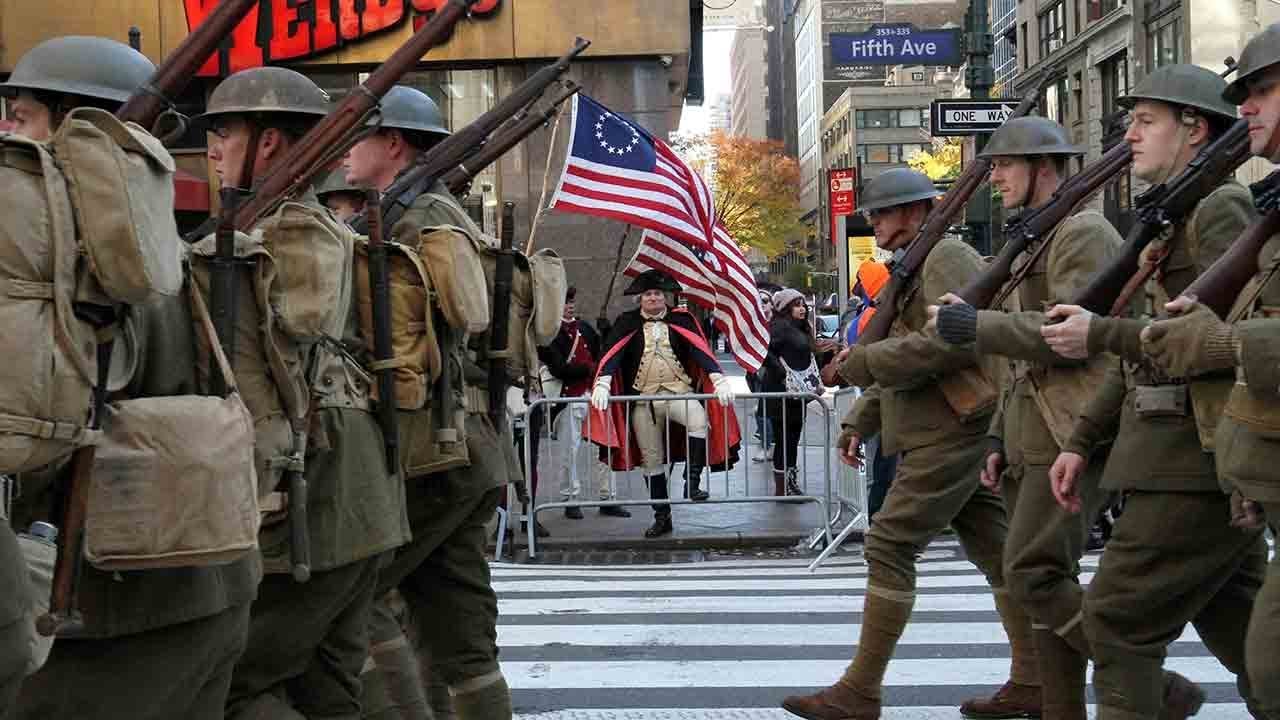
961, 116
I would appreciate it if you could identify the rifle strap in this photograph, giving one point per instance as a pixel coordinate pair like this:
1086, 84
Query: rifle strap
1149, 268
1249, 296
1025, 269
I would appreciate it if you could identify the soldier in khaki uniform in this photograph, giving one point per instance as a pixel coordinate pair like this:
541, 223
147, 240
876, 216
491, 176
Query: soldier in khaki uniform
293, 361
920, 396
1154, 580
156, 644
1045, 542
442, 574
1197, 343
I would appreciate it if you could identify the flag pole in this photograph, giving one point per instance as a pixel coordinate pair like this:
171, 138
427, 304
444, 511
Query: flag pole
603, 319
546, 178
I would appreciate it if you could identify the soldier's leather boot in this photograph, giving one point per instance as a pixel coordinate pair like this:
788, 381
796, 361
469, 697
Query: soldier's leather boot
856, 696
483, 698
1062, 670
1182, 698
1020, 696
693, 466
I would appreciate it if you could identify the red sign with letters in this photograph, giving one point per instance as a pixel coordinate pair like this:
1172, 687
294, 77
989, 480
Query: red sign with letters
841, 197
294, 29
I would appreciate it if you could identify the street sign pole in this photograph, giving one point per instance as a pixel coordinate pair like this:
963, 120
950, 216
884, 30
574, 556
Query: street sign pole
979, 78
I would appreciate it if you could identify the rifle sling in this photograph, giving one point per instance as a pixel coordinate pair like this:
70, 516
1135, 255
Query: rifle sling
1025, 270
1149, 268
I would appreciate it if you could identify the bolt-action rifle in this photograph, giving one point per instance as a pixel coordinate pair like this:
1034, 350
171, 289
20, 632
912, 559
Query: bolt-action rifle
383, 366
1218, 287
1159, 207
454, 150
907, 261
1030, 226
499, 342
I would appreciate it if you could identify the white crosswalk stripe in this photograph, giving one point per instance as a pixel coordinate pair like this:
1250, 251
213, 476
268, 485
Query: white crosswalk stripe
729, 639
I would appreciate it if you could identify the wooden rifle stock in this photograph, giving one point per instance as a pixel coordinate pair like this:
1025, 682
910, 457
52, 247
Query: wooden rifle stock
1219, 286
498, 340
150, 101
455, 149
222, 285
908, 261
459, 178
1032, 225
380, 290
1163, 205
333, 134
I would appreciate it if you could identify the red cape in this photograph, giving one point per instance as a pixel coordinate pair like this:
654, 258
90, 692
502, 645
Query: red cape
605, 428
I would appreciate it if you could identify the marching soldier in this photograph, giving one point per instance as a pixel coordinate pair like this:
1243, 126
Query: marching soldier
442, 574
156, 644
1038, 408
344, 199
1196, 342
911, 381
1154, 580
308, 640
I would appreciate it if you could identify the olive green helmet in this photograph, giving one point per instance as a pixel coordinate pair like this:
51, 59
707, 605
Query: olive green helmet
336, 182
93, 67
1183, 85
405, 108
1029, 135
898, 186
1262, 52
272, 90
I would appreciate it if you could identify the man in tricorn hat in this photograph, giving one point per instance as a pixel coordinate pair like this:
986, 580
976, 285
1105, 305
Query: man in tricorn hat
657, 350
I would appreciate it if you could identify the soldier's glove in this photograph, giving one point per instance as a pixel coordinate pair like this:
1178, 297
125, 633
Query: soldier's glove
958, 323
724, 393
1246, 514
1194, 343
600, 393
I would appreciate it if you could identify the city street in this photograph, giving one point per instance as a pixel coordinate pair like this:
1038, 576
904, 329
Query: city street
731, 638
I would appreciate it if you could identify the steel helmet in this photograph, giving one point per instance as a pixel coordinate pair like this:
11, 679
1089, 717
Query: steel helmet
266, 90
94, 67
1029, 135
1262, 52
1184, 85
898, 186
406, 108
336, 182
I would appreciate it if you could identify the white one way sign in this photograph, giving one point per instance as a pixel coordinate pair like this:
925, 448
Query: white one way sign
961, 116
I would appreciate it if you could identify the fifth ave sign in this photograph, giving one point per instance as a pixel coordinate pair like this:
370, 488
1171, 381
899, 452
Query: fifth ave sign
960, 116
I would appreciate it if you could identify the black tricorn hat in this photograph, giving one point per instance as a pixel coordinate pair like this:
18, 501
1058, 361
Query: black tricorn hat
652, 280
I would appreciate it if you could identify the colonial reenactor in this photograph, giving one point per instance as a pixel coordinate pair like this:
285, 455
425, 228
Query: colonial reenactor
442, 574
1197, 343
156, 643
915, 399
1155, 578
1038, 408
296, 333
660, 350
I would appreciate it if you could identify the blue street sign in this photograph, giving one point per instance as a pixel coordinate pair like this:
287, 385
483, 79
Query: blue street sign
896, 44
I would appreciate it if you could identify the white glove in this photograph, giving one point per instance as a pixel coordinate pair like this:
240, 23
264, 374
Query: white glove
724, 393
600, 394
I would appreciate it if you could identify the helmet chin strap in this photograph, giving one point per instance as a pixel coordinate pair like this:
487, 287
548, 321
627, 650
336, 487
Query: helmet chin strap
1186, 122
1033, 170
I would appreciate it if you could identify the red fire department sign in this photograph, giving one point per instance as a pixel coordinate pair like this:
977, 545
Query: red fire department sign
290, 30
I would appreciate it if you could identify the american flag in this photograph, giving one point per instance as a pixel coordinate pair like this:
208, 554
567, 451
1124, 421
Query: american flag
718, 280
616, 169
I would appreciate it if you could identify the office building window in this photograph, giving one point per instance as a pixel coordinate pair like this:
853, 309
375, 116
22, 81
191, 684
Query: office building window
891, 118
1115, 82
1053, 29
1056, 105
1099, 8
888, 152
1077, 94
1164, 41
1022, 46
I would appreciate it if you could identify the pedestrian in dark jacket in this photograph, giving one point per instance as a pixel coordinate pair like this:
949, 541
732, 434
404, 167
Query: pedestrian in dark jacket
790, 347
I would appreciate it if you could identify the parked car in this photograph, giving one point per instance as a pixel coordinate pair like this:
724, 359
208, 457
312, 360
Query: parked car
828, 327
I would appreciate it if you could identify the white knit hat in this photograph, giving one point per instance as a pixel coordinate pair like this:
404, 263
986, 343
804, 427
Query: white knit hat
785, 297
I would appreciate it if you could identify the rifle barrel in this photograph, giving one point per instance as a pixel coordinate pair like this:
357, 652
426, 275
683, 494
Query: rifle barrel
380, 290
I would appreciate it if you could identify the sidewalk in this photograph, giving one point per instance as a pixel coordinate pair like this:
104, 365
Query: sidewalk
704, 524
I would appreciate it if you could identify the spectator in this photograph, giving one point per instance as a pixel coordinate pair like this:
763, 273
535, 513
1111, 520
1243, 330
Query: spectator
571, 359
790, 367
872, 277
764, 434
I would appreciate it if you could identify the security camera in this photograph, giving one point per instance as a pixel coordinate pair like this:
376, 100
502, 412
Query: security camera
666, 60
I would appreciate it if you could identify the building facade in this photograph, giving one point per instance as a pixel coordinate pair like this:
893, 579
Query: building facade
750, 97
638, 65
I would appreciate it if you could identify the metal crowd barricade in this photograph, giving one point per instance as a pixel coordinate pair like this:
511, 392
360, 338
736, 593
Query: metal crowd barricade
720, 483
851, 486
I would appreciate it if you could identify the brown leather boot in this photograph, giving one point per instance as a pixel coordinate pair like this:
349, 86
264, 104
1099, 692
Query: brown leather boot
1020, 696
1182, 698
838, 702
1010, 701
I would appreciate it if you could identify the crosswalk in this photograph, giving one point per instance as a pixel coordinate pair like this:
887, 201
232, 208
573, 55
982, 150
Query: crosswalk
730, 639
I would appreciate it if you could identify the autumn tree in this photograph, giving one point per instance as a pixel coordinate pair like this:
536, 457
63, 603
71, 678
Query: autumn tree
943, 162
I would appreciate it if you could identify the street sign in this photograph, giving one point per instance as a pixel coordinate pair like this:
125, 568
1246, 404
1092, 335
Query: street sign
962, 116
896, 44
840, 194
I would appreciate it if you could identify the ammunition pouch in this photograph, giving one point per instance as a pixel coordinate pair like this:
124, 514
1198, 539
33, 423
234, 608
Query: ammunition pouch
1168, 400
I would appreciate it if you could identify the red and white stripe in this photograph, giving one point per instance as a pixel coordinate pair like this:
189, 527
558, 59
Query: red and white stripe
723, 285
671, 199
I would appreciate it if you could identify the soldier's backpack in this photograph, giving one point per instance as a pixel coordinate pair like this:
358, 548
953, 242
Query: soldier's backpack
47, 378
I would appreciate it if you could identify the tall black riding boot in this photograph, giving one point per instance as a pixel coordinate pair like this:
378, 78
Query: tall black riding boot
661, 511
695, 461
